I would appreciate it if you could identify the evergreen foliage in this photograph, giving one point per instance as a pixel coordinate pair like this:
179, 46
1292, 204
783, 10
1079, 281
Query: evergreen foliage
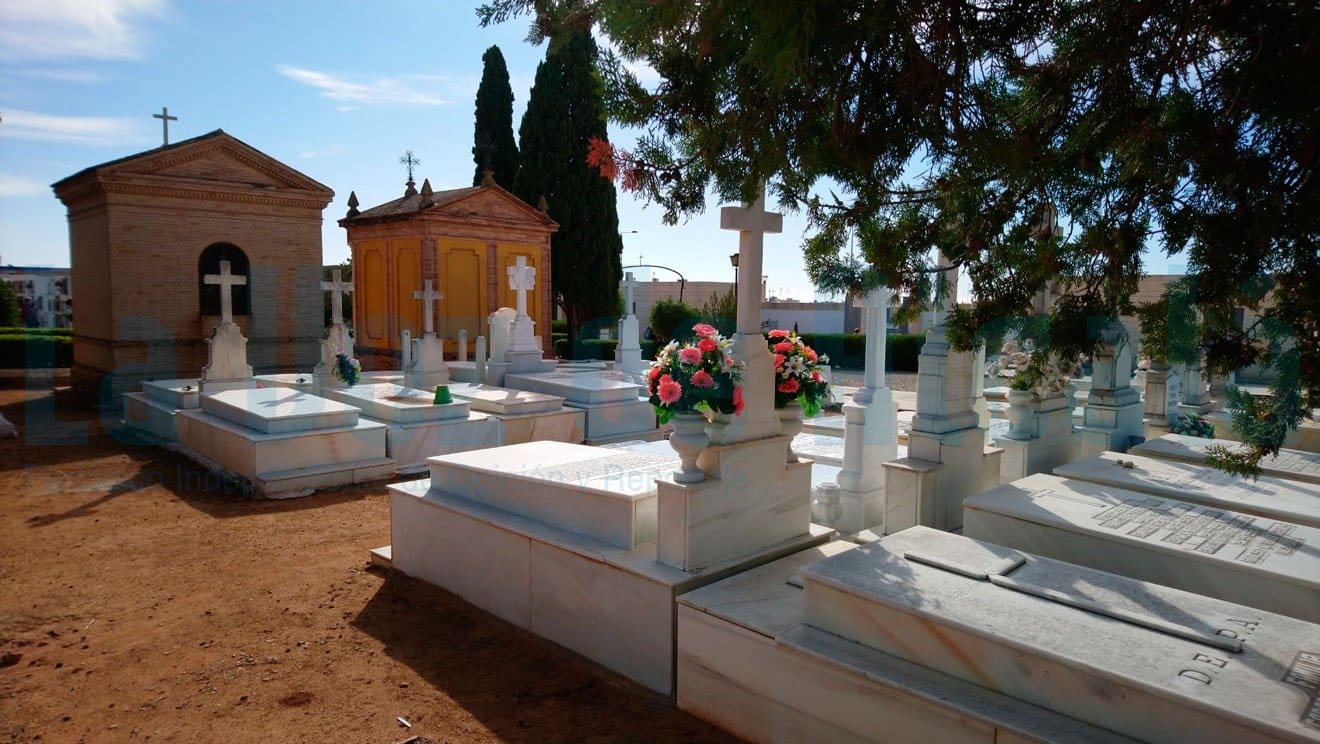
565, 111
10, 313
1177, 127
492, 144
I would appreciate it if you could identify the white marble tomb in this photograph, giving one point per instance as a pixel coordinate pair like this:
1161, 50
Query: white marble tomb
418, 427
1237, 557
1290, 501
1289, 463
614, 408
154, 409
1143, 660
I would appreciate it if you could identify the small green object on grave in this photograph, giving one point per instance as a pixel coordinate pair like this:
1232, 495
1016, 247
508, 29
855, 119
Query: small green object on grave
442, 395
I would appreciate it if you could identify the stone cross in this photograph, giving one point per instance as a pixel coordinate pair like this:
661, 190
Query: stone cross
165, 120
226, 281
628, 285
523, 279
337, 287
877, 325
752, 223
950, 300
428, 296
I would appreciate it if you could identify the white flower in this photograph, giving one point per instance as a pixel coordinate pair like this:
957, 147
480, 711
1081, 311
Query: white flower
795, 365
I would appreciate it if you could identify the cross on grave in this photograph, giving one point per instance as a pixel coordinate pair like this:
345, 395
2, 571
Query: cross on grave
752, 223
522, 278
226, 281
165, 120
628, 285
428, 296
337, 287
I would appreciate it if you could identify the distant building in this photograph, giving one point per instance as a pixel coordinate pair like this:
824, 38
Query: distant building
44, 294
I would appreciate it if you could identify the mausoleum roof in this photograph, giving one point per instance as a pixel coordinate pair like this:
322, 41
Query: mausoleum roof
485, 201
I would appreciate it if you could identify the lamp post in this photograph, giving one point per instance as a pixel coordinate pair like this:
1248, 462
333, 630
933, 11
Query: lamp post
733, 261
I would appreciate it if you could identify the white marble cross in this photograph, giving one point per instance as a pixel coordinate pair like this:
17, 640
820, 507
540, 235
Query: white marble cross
628, 284
523, 279
428, 296
752, 223
337, 287
226, 281
876, 304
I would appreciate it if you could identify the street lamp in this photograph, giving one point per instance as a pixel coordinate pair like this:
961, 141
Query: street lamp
733, 261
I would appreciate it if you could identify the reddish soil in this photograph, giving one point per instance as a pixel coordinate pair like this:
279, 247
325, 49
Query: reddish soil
141, 602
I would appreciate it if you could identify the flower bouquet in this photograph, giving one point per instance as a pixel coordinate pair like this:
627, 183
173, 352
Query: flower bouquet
1194, 426
697, 376
346, 369
797, 372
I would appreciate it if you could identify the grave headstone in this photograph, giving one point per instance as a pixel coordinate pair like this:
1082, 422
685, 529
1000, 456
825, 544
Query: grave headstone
480, 363
428, 367
462, 345
337, 339
226, 367
628, 354
1112, 417
501, 338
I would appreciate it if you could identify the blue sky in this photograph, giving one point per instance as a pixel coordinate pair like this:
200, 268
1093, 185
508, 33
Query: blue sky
335, 89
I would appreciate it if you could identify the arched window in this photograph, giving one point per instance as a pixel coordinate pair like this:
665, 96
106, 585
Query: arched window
209, 263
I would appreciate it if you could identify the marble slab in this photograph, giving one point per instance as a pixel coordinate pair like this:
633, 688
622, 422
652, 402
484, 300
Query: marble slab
386, 401
1143, 660
149, 415
412, 445
580, 387
1290, 463
612, 421
1258, 562
563, 425
293, 380
606, 495
181, 393
504, 401
1276, 498
824, 425
278, 410
821, 448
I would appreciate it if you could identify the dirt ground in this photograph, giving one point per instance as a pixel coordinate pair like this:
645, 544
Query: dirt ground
140, 602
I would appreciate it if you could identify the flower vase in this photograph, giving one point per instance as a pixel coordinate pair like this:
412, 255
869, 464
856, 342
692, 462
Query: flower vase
688, 440
790, 424
1019, 415
825, 506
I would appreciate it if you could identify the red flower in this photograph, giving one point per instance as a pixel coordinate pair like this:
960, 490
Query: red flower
705, 329
784, 347
668, 390
809, 352
702, 379
654, 373
815, 375
779, 360
738, 403
689, 355
789, 386
778, 333
707, 344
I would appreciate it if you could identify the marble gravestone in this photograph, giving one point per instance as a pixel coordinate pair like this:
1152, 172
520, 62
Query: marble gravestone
1143, 660
1275, 498
1273, 565
226, 349
1289, 464
628, 353
337, 339
426, 365
614, 408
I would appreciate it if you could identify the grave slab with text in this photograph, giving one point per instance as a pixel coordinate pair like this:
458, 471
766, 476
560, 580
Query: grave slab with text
1291, 464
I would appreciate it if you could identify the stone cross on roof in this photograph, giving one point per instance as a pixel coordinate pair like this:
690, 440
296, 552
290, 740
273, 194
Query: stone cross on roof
165, 120
226, 281
337, 287
752, 223
523, 279
628, 285
428, 296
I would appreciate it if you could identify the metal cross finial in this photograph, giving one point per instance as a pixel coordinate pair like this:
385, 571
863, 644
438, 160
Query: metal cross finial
165, 120
411, 161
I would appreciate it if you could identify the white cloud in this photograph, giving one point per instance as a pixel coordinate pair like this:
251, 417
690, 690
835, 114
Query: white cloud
94, 29
19, 186
413, 90
92, 130
65, 75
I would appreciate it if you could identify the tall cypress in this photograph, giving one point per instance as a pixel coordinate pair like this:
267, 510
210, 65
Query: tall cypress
566, 109
492, 140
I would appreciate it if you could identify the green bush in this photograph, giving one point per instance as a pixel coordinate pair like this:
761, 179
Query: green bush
902, 350
557, 337
668, 318
595, 348
21, 331
849, 349
559, 326
35, 351
562, 350
648, 349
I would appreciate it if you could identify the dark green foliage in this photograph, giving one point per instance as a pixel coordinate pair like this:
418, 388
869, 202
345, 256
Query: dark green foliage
35, 351
559, 326
563, 349
596, 348
10, 311
493, 145
23, 331
672, 319
648, 349
565, 111
848, 350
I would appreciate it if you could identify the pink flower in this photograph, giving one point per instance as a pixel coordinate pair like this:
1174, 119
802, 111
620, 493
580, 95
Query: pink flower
789, 386
779, 360
705, 329
809, 352
738, 403
778, 333
654, 373
668, 390
783, 347
689, 355
707, 344
815, 376
702, 379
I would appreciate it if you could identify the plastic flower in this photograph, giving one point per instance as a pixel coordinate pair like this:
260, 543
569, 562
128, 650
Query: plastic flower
668, 390
789, 386
702, 379
689, 355
707, 344
810, 353
738, 403
784, 347
705, 329
778, 333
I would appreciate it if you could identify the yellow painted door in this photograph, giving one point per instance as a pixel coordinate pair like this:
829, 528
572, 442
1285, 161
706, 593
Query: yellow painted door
370, 311
407, 260
462, 270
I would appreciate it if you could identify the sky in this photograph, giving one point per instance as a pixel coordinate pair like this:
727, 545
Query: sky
337, 90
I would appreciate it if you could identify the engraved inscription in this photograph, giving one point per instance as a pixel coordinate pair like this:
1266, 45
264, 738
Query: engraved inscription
1202, 529
631, 471
1304, 671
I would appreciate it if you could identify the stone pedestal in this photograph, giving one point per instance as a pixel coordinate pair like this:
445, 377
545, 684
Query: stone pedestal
944, 387
337, 341
1112, 419
1051, 442
870, 440
1194, 398
628, 354
428, 367
979, 405
1163, 392
227, 367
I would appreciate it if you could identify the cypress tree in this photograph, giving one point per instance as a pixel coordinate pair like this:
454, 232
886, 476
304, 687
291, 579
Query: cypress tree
565, 111
492, 141
10, 314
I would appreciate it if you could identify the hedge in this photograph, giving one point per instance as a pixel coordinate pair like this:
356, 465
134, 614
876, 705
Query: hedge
35, 351
23, 331
849, 349
596, 348
559, 326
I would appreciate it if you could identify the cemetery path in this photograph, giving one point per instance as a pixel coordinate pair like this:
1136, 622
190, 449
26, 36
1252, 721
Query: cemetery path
141, 602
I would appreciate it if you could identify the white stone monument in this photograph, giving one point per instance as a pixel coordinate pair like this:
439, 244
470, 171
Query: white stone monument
500, 324
462, 345
1112, 418
1163, 394
870, 435
427, 368
337, 338
947, 454
226, 367
480, 363
628, 353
